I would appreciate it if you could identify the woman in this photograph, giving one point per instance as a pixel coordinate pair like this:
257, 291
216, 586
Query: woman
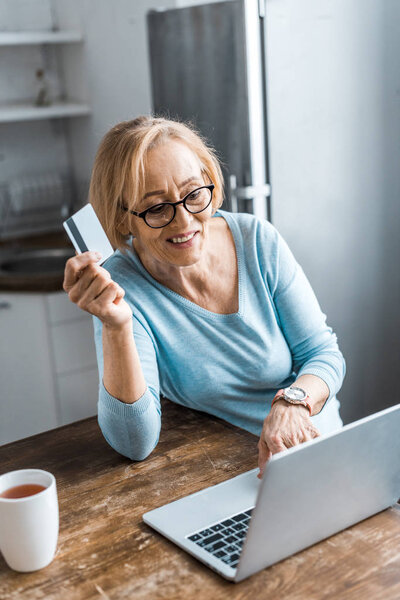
206, 307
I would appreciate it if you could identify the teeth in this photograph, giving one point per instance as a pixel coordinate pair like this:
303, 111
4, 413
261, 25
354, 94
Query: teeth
182, 239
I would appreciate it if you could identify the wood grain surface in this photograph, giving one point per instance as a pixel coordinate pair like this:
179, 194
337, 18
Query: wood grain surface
105, 551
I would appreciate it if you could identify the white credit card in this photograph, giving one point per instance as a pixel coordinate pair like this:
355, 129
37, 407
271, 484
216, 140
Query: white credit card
86, 233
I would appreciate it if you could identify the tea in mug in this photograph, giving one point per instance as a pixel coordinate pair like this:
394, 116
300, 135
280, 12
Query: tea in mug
22, 491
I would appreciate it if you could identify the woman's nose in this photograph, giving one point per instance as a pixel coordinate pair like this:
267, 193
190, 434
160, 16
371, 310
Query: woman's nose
183, 217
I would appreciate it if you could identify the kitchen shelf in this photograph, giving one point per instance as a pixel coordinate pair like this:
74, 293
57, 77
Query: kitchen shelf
27, 112
24, 38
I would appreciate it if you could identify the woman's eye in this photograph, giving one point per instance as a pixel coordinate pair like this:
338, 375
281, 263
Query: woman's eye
194, 195
156, 210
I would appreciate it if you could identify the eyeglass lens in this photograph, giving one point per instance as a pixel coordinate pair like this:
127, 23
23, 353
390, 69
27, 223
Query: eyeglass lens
162, 214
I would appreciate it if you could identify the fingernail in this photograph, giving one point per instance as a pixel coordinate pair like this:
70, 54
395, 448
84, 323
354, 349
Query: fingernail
98, 254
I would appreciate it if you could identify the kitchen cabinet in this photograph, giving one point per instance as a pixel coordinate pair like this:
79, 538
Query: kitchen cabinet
48, 369
27, 403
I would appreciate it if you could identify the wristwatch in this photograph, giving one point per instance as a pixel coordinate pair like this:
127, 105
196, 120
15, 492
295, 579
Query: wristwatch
293, 395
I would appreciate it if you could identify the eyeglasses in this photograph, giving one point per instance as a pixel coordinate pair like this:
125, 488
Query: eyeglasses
162, 214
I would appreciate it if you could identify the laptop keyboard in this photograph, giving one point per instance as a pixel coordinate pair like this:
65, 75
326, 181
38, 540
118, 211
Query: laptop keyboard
224, 540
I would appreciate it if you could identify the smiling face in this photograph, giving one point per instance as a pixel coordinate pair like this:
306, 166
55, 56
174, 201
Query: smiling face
172, 171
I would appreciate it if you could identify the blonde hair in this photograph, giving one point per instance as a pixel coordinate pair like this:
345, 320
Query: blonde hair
118, 171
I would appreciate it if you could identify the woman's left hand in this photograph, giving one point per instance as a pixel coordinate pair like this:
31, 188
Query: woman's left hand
285, 426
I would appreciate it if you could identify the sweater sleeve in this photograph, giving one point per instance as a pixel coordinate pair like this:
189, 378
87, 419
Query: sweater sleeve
131, 429
312, 343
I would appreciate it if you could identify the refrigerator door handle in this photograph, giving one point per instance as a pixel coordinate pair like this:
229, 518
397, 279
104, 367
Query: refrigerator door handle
247, 192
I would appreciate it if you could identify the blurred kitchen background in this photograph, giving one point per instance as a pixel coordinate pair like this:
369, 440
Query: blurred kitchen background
301, 98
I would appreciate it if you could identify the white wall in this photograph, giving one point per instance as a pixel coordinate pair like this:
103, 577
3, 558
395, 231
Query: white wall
25, 15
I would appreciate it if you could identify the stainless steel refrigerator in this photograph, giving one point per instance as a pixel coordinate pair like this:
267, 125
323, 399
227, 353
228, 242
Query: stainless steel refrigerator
301, 99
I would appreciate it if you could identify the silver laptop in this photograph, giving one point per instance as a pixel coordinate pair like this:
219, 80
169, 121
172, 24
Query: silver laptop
308, 493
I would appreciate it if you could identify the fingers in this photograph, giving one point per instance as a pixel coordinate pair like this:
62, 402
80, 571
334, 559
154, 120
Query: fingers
92, 275
90, 286
292, 438
276, 443
75, 265
101, 300
120, 295
112, 293
311, 432
307, 436
298, 436
104, 305
279, 434
264, 454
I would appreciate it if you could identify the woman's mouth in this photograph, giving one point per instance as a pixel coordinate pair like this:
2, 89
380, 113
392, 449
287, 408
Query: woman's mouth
183, 240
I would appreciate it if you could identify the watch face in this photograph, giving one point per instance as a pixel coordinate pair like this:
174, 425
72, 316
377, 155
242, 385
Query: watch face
295, 393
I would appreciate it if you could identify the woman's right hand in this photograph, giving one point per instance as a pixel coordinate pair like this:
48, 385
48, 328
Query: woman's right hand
91, 288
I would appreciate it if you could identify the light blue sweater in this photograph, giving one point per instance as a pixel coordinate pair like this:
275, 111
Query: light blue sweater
227, 365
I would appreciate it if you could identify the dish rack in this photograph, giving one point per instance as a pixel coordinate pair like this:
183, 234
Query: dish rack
34, 204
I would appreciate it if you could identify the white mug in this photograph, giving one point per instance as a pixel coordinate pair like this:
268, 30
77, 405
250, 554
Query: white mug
29, 525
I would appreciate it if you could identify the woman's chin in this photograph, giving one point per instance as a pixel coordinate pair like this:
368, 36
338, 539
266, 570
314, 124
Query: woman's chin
185, 259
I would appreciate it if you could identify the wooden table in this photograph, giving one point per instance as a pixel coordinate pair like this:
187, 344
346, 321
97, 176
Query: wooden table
105, 551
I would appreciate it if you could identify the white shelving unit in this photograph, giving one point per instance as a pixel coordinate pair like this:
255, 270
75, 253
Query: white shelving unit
23, 111
22, 52
26, 38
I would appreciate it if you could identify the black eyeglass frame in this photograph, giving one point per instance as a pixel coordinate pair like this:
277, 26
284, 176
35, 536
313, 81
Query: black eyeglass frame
143, 214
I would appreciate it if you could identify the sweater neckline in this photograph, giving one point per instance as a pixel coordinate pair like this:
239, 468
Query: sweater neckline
233, 226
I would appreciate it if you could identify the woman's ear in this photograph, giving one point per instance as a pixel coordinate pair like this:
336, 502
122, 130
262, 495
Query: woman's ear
123, 227
215, 204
